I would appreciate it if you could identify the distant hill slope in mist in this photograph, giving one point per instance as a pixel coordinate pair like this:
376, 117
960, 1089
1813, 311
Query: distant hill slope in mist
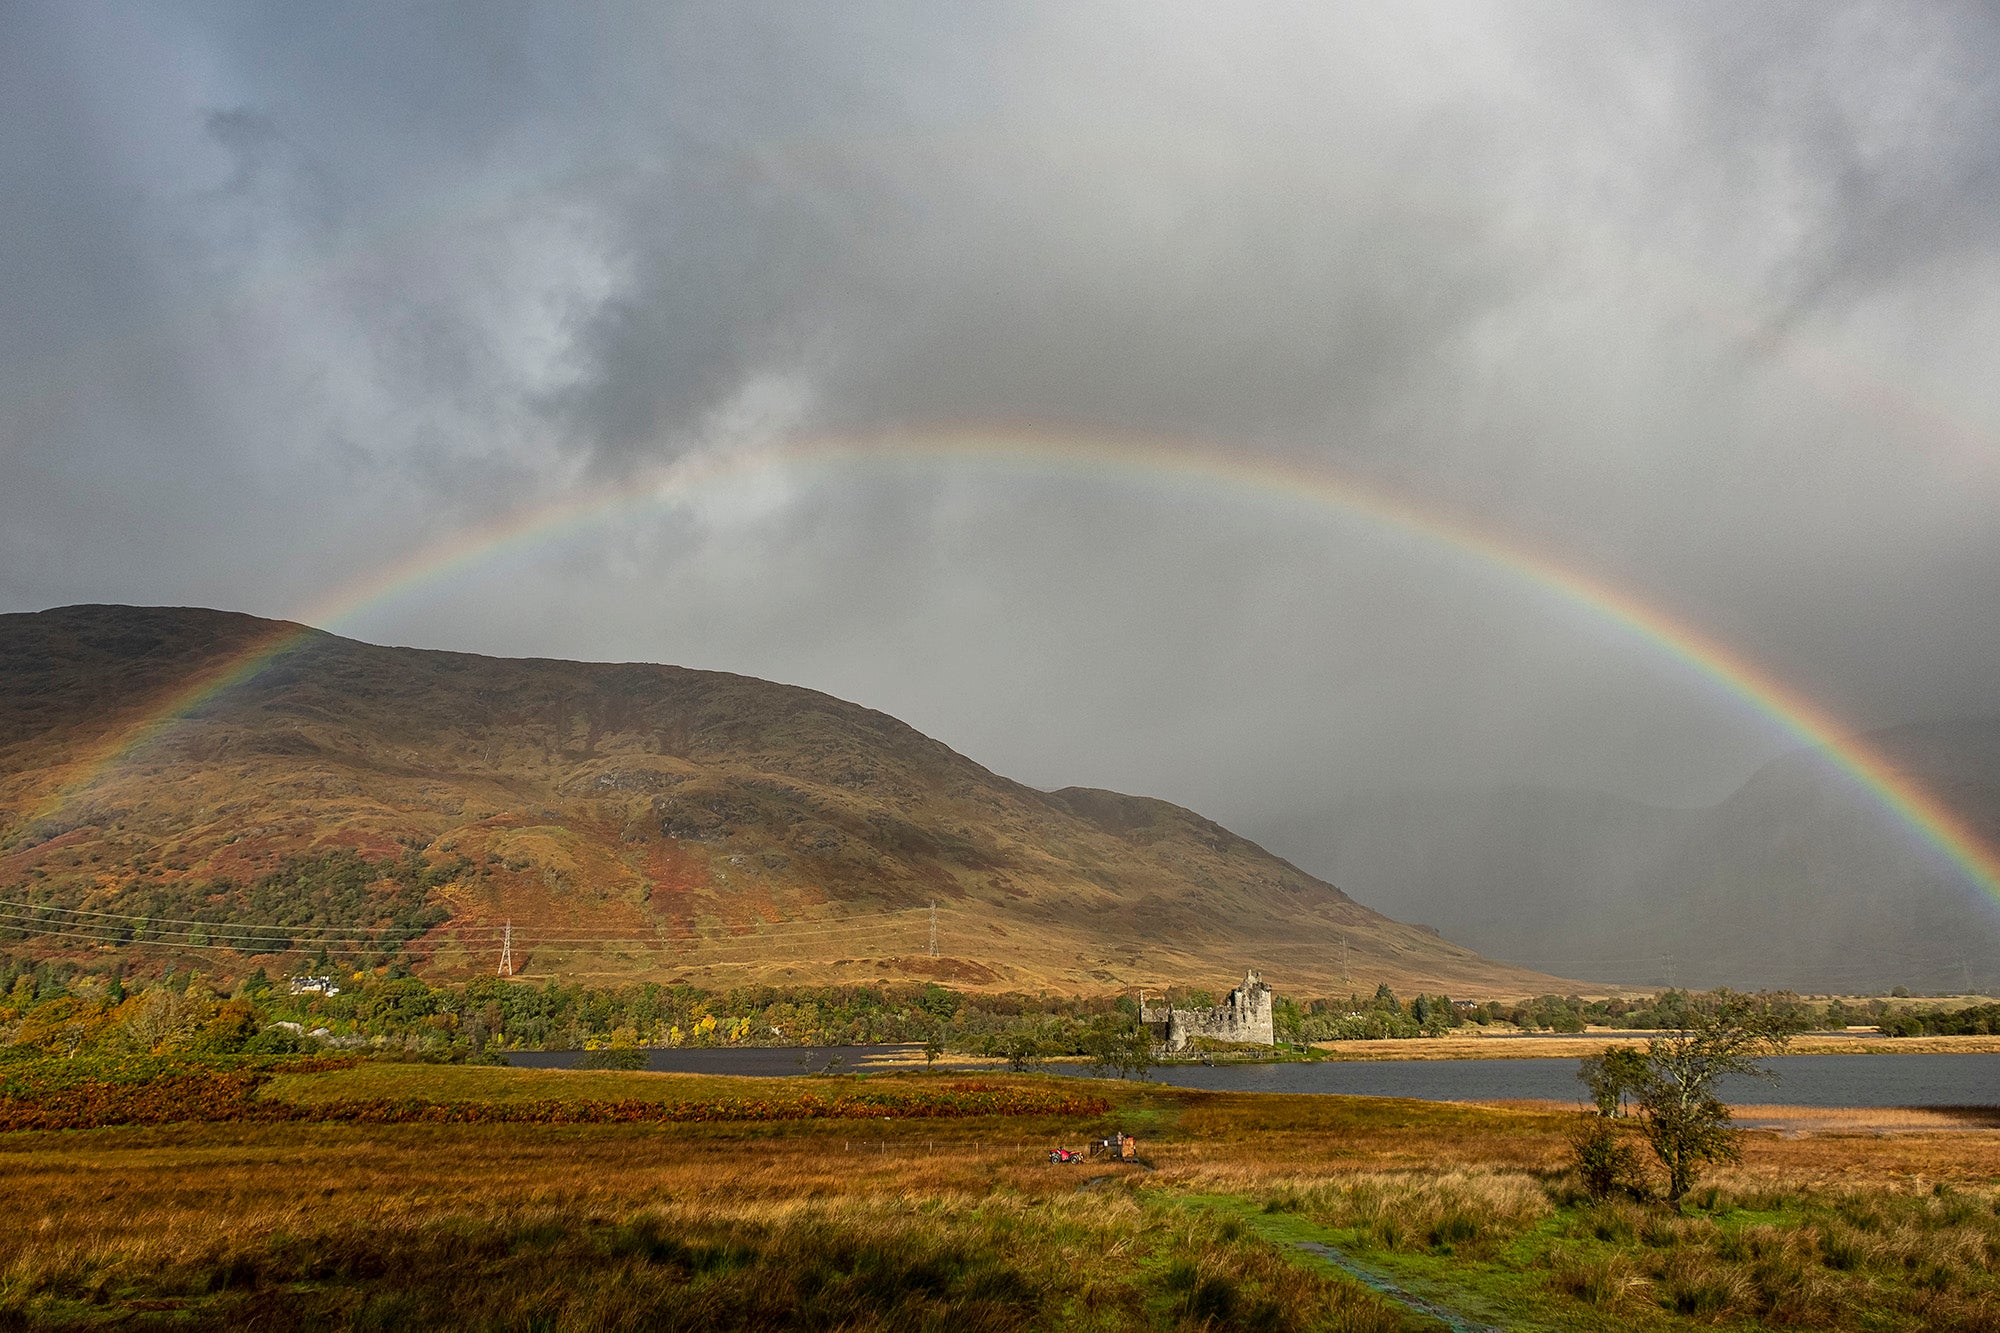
1798, 879
728, 829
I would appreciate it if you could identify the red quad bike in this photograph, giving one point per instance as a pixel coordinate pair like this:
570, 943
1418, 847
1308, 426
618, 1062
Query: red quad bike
1063, 1156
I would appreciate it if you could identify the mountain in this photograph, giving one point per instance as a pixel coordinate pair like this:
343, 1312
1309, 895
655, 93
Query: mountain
629, 821
1799, 878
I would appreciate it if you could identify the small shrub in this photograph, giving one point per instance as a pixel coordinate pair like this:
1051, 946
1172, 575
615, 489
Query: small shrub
1605, 1163
631, 1058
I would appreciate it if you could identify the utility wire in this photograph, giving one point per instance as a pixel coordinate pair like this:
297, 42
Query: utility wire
273, 946
111, 928
32, 912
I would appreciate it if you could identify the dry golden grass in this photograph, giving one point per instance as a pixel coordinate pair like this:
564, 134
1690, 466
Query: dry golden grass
1867, 1119
1878, 1045
821, 1226
901, 1224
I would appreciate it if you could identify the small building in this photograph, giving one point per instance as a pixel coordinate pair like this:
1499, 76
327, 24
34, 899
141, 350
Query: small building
1244, 1017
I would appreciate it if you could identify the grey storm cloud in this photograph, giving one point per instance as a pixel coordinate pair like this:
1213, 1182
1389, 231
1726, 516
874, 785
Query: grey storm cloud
1695, 297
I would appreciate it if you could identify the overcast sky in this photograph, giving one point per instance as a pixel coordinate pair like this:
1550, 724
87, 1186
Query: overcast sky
1702, 299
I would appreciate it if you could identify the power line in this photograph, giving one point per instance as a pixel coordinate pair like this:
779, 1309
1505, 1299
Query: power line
214, 930
252, 948
170, 920
45, 913
164, 944
85, 934
191, 933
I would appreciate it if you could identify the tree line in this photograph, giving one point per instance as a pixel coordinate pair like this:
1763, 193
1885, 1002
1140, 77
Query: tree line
57, 1005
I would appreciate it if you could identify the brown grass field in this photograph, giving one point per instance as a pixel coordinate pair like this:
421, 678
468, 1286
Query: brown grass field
963, 1224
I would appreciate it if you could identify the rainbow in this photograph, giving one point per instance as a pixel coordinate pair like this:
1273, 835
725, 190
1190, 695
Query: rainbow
1137, 460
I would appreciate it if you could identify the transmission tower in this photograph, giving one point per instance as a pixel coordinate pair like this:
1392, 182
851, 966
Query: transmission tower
934, 929
507, 950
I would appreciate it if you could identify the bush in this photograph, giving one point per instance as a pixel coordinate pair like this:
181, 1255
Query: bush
614, 1057
1605, 1163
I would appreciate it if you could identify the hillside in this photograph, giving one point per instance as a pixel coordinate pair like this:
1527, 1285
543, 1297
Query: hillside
629, 821
1797, 879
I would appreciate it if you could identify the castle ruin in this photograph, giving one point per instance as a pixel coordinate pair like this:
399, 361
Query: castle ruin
1244, 1017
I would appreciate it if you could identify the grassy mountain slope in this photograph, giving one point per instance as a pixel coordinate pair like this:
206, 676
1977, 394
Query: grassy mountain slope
629, 820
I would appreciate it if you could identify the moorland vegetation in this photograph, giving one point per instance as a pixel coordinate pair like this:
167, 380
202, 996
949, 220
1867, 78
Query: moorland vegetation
365, 1194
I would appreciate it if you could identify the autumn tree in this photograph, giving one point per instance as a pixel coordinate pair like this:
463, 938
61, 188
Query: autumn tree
1684, 1120
1613, 1077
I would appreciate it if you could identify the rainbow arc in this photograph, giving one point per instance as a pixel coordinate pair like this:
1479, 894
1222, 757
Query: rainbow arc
1142, 461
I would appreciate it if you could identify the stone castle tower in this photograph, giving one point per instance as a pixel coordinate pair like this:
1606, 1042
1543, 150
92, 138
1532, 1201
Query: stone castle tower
1244, 1017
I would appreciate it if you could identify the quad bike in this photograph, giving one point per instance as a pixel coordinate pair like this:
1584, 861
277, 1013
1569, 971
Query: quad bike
1064, 1156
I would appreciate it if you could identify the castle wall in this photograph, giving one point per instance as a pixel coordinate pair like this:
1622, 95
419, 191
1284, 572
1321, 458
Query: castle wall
1244, 1017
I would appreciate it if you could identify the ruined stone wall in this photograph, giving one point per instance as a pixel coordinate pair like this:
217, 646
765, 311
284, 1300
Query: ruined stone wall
1244, 1017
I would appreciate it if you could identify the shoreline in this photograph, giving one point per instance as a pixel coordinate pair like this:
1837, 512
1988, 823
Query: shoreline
1576, 1046
1523, 1046
896, 1056
1790, 1121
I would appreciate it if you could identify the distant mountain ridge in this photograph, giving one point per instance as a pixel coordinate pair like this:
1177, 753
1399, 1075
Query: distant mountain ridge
636, 821
1800, 878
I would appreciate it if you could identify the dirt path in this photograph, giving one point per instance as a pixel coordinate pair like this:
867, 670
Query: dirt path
1382, 1286
1289, 1229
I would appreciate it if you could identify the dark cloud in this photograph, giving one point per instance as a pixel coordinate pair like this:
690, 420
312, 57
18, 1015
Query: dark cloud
1693, 297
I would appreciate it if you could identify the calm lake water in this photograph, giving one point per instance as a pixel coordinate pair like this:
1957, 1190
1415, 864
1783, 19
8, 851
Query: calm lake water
1803, 1080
